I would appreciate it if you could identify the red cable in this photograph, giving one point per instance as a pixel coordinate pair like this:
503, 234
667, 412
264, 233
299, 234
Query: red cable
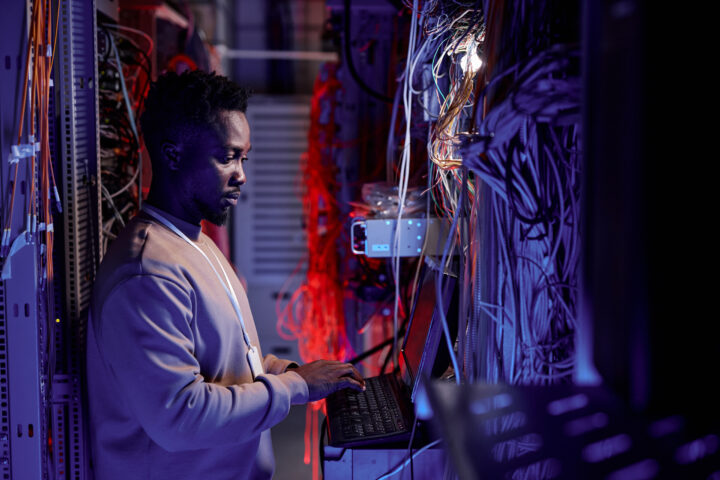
314, 314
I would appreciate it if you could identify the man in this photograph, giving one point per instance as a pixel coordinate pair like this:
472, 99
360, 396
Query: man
176, 384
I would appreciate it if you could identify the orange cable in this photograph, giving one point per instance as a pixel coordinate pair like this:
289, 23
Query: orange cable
8, 224
27, 66
38, 25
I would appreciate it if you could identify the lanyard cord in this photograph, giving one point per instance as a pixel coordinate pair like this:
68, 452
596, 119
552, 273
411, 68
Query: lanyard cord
227, 286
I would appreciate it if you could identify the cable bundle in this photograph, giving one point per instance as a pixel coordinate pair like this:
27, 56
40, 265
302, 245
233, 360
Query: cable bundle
462, 52
461, 57
508, 181
525, 151
124, 69
443, 38
317, 305
36, 88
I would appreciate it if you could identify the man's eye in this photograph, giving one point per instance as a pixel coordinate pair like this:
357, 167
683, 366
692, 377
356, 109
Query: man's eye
232, 156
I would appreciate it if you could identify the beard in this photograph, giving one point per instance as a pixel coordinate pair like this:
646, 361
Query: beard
213, 215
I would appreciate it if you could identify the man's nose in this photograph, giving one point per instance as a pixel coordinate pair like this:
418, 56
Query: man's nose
238, 176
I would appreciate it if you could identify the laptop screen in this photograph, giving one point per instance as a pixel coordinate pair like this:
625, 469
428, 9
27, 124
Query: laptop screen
424, 330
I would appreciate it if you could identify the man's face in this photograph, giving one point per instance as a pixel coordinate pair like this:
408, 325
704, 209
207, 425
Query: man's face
217, 156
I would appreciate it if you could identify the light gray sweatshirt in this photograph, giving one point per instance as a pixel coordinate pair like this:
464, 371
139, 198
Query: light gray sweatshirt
170, 390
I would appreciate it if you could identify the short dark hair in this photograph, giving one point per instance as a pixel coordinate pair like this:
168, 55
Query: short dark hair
177, 106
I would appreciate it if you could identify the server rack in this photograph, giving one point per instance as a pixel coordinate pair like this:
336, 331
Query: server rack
42, 325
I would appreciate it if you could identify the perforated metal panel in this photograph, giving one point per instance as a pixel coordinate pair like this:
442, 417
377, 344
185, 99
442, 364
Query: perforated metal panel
269, 239
4, 417
27, 419
79, 146
75, 76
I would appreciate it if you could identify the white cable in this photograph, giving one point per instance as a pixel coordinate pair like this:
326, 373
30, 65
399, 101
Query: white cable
126, 97
112, 204
130, 183
133, 30
404, 177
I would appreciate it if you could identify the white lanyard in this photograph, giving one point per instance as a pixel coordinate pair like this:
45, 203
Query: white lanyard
227, 286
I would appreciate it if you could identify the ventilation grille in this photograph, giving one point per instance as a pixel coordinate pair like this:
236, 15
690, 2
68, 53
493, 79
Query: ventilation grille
4, 418
78, 153
268, 223
78, 107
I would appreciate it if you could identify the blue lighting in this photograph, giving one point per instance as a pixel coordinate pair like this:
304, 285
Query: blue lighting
607, 448
695, 450
423, 409
568, 404
643, 470
485, 405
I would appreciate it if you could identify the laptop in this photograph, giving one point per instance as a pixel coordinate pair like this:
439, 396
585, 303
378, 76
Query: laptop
384, 412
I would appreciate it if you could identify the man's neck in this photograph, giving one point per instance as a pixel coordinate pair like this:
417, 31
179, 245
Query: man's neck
167, 202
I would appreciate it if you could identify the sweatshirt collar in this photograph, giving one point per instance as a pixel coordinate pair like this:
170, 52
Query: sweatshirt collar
192, 231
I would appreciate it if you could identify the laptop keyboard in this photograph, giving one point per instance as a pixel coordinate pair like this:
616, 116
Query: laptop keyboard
374, 412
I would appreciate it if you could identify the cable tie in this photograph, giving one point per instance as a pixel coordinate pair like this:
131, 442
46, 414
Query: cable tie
42, 251
41, 227
48, 51
22, 150
52, 84
51, 227
58, 203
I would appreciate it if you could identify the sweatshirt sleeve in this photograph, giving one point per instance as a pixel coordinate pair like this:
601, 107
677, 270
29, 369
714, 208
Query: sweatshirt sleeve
275, 365
146, 339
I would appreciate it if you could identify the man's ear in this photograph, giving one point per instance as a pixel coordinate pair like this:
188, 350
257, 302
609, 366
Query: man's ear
171, 155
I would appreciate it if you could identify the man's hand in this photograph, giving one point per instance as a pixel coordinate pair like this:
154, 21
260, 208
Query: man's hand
324, 377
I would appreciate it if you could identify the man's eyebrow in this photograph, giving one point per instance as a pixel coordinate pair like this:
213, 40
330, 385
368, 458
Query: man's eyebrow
236, 148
